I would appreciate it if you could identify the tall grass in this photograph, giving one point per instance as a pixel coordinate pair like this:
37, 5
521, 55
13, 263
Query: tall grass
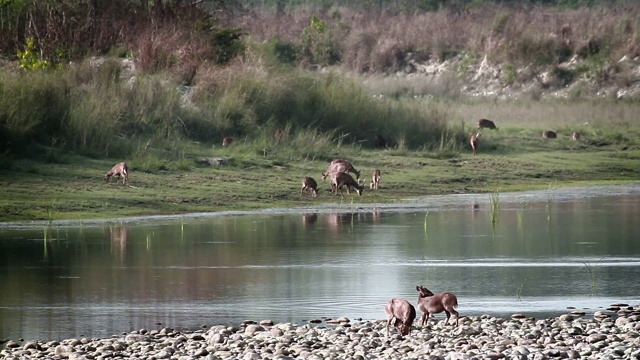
92, 109
495, 208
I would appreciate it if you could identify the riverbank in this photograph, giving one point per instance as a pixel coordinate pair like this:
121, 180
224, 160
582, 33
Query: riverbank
611, 334
73, 189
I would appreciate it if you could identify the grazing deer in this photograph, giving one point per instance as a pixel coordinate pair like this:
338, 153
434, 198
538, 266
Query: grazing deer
226, 141
340, 179
576, 136
548, 134
375, 179
474, 140
339, 165
309, 183
121, 170
403, 312
486, 123
430, 303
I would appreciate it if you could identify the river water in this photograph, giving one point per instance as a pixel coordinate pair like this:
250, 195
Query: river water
537, 253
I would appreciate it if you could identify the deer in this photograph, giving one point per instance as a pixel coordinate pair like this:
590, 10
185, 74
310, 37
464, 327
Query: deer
548, 134
375, 179
486, 123
340, 179
226, 141
473, 140
576, 136
121, 170
430, 303
278, 134
339, 165
379, 142
309, 183
403, 312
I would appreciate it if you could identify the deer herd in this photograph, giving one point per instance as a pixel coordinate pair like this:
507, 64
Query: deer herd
339, 170
474, 137
428, 303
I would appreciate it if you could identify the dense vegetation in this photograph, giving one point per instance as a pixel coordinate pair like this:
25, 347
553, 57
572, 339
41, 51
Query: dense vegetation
132, 79
85, 84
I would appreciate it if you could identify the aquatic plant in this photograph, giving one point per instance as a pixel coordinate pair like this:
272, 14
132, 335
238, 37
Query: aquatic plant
593, 276
549, 202
519, 289
495, 207
426, 221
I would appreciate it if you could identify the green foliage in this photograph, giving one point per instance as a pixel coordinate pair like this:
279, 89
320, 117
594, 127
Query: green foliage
31, 58
510, 75
284, 52
228, 44
320, 43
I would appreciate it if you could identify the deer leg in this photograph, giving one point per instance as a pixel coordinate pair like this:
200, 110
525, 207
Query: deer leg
457, 316
425, 317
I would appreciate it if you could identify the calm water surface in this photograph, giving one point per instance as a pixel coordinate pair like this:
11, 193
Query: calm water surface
549, 250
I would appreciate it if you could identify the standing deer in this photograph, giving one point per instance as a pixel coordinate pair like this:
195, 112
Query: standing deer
576, 136
375, 179
430, 303
277, 135
403, 312
339, 165
309, 183
486, 123
226, 141
473, 140
121, 170
340, 179
548, 134
379, 141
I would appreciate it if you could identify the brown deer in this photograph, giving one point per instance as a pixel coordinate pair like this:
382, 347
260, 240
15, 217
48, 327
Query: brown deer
473, 140
226, 141
430, 303
339, 165
121, 170
375, 180
277, 135
403, 312
548, 134
340, 179
486, 123
576, 136
379, 142
309, 183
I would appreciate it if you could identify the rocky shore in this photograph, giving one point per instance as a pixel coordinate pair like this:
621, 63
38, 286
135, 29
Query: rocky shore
611, 334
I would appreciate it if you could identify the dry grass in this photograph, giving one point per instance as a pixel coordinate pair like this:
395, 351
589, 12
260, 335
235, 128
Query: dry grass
380, 41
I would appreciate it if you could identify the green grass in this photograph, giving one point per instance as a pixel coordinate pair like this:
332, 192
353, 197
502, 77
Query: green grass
74, 189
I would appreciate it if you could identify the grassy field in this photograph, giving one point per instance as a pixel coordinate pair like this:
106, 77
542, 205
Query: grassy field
510, 159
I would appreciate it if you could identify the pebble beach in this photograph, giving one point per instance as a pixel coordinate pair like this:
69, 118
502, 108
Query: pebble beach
610, 334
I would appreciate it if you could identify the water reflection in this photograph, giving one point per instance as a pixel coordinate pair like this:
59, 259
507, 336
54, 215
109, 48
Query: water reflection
309, 219
541, 257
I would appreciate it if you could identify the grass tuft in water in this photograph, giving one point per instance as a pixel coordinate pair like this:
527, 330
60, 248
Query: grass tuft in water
495, 208
549, 203
426, 221
592, 270
519, 289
